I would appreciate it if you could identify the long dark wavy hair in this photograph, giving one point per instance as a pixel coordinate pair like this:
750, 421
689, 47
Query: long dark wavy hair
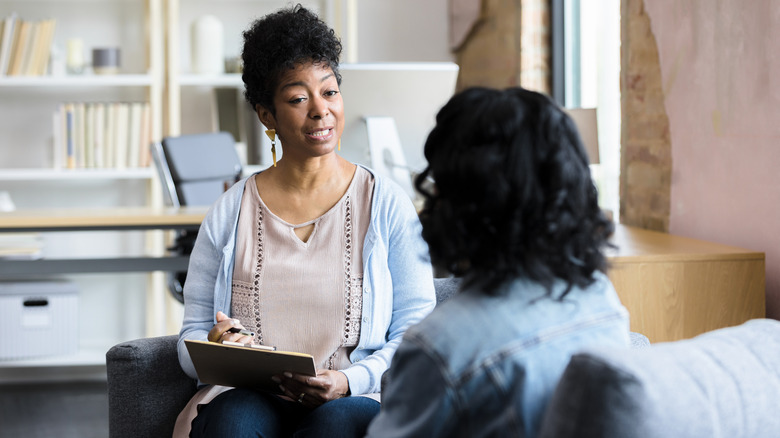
278, 42
512, 194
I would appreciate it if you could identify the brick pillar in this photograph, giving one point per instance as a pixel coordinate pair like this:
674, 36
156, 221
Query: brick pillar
535, 73
646, 152
508, 45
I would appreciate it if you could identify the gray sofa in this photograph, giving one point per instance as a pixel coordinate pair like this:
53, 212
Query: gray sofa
724, 383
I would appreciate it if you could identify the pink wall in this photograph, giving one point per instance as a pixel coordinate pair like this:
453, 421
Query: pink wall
720, 64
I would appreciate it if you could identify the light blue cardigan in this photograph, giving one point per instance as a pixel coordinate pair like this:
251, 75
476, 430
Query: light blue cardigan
397, 280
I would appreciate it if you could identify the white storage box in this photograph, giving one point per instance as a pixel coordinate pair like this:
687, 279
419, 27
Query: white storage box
38, 318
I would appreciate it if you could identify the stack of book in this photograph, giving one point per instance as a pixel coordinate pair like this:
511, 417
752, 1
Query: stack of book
102, 135
20, 246
25, 46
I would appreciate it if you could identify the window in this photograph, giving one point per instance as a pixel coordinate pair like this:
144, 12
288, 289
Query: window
586, 73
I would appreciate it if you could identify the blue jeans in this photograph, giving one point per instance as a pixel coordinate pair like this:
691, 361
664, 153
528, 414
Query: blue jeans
244, 413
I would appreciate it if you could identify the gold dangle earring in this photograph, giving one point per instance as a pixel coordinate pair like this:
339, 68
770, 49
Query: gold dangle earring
339, 143
271, 133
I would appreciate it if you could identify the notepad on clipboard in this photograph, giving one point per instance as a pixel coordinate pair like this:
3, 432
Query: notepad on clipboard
244, 367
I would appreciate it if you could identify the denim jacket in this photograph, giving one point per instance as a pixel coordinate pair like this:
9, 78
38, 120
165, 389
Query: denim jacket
397, 280
486, 366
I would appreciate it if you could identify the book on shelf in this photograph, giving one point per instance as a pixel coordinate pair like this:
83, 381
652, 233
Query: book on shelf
18, 47
89, 135
3, 43
70, 128
7, 35
25, 46
42, 50
33, 35
78, 135
108, 138
134, 135
101, 135
57, 151
121, 136
146, 135
21, 246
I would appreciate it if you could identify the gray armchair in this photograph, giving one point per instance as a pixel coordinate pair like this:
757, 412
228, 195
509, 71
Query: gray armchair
146, 387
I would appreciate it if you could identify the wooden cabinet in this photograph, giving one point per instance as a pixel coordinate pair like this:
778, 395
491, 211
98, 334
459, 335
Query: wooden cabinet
676, 287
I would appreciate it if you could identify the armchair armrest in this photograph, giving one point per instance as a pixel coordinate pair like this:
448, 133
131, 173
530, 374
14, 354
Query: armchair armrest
146, 387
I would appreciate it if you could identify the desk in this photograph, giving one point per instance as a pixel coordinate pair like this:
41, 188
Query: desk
106, 219
676, 287
93, 346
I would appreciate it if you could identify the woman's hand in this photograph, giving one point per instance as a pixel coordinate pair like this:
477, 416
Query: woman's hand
220, 331
313, 391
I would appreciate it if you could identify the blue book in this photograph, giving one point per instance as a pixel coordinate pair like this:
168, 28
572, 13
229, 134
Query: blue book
69, 128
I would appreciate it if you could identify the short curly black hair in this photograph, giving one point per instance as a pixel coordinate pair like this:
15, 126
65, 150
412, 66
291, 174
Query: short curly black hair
278, 42
512, 194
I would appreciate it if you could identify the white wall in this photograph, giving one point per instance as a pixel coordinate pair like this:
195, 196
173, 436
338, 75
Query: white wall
719, 64
387, 31
403, 30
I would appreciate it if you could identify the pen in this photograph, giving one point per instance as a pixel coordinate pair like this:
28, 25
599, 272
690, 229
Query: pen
255, 346
241, 331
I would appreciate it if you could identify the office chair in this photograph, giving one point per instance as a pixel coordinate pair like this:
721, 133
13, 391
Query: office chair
194, 170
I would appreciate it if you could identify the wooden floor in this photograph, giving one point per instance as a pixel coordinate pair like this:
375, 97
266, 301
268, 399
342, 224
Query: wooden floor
54, 410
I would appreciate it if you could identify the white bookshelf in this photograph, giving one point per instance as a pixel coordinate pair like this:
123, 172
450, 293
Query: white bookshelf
64, 175
27, 103
80, 81
223, 80
124, 306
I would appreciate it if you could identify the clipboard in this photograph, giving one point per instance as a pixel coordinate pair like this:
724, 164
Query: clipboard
244, 367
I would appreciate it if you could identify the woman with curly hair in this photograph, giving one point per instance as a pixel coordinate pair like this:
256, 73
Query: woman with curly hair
511, 208
314, 254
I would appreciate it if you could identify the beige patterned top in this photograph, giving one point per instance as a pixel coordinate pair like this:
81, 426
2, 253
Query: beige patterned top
303, 296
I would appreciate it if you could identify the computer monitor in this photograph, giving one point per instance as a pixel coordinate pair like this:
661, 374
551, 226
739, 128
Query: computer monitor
410, 94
